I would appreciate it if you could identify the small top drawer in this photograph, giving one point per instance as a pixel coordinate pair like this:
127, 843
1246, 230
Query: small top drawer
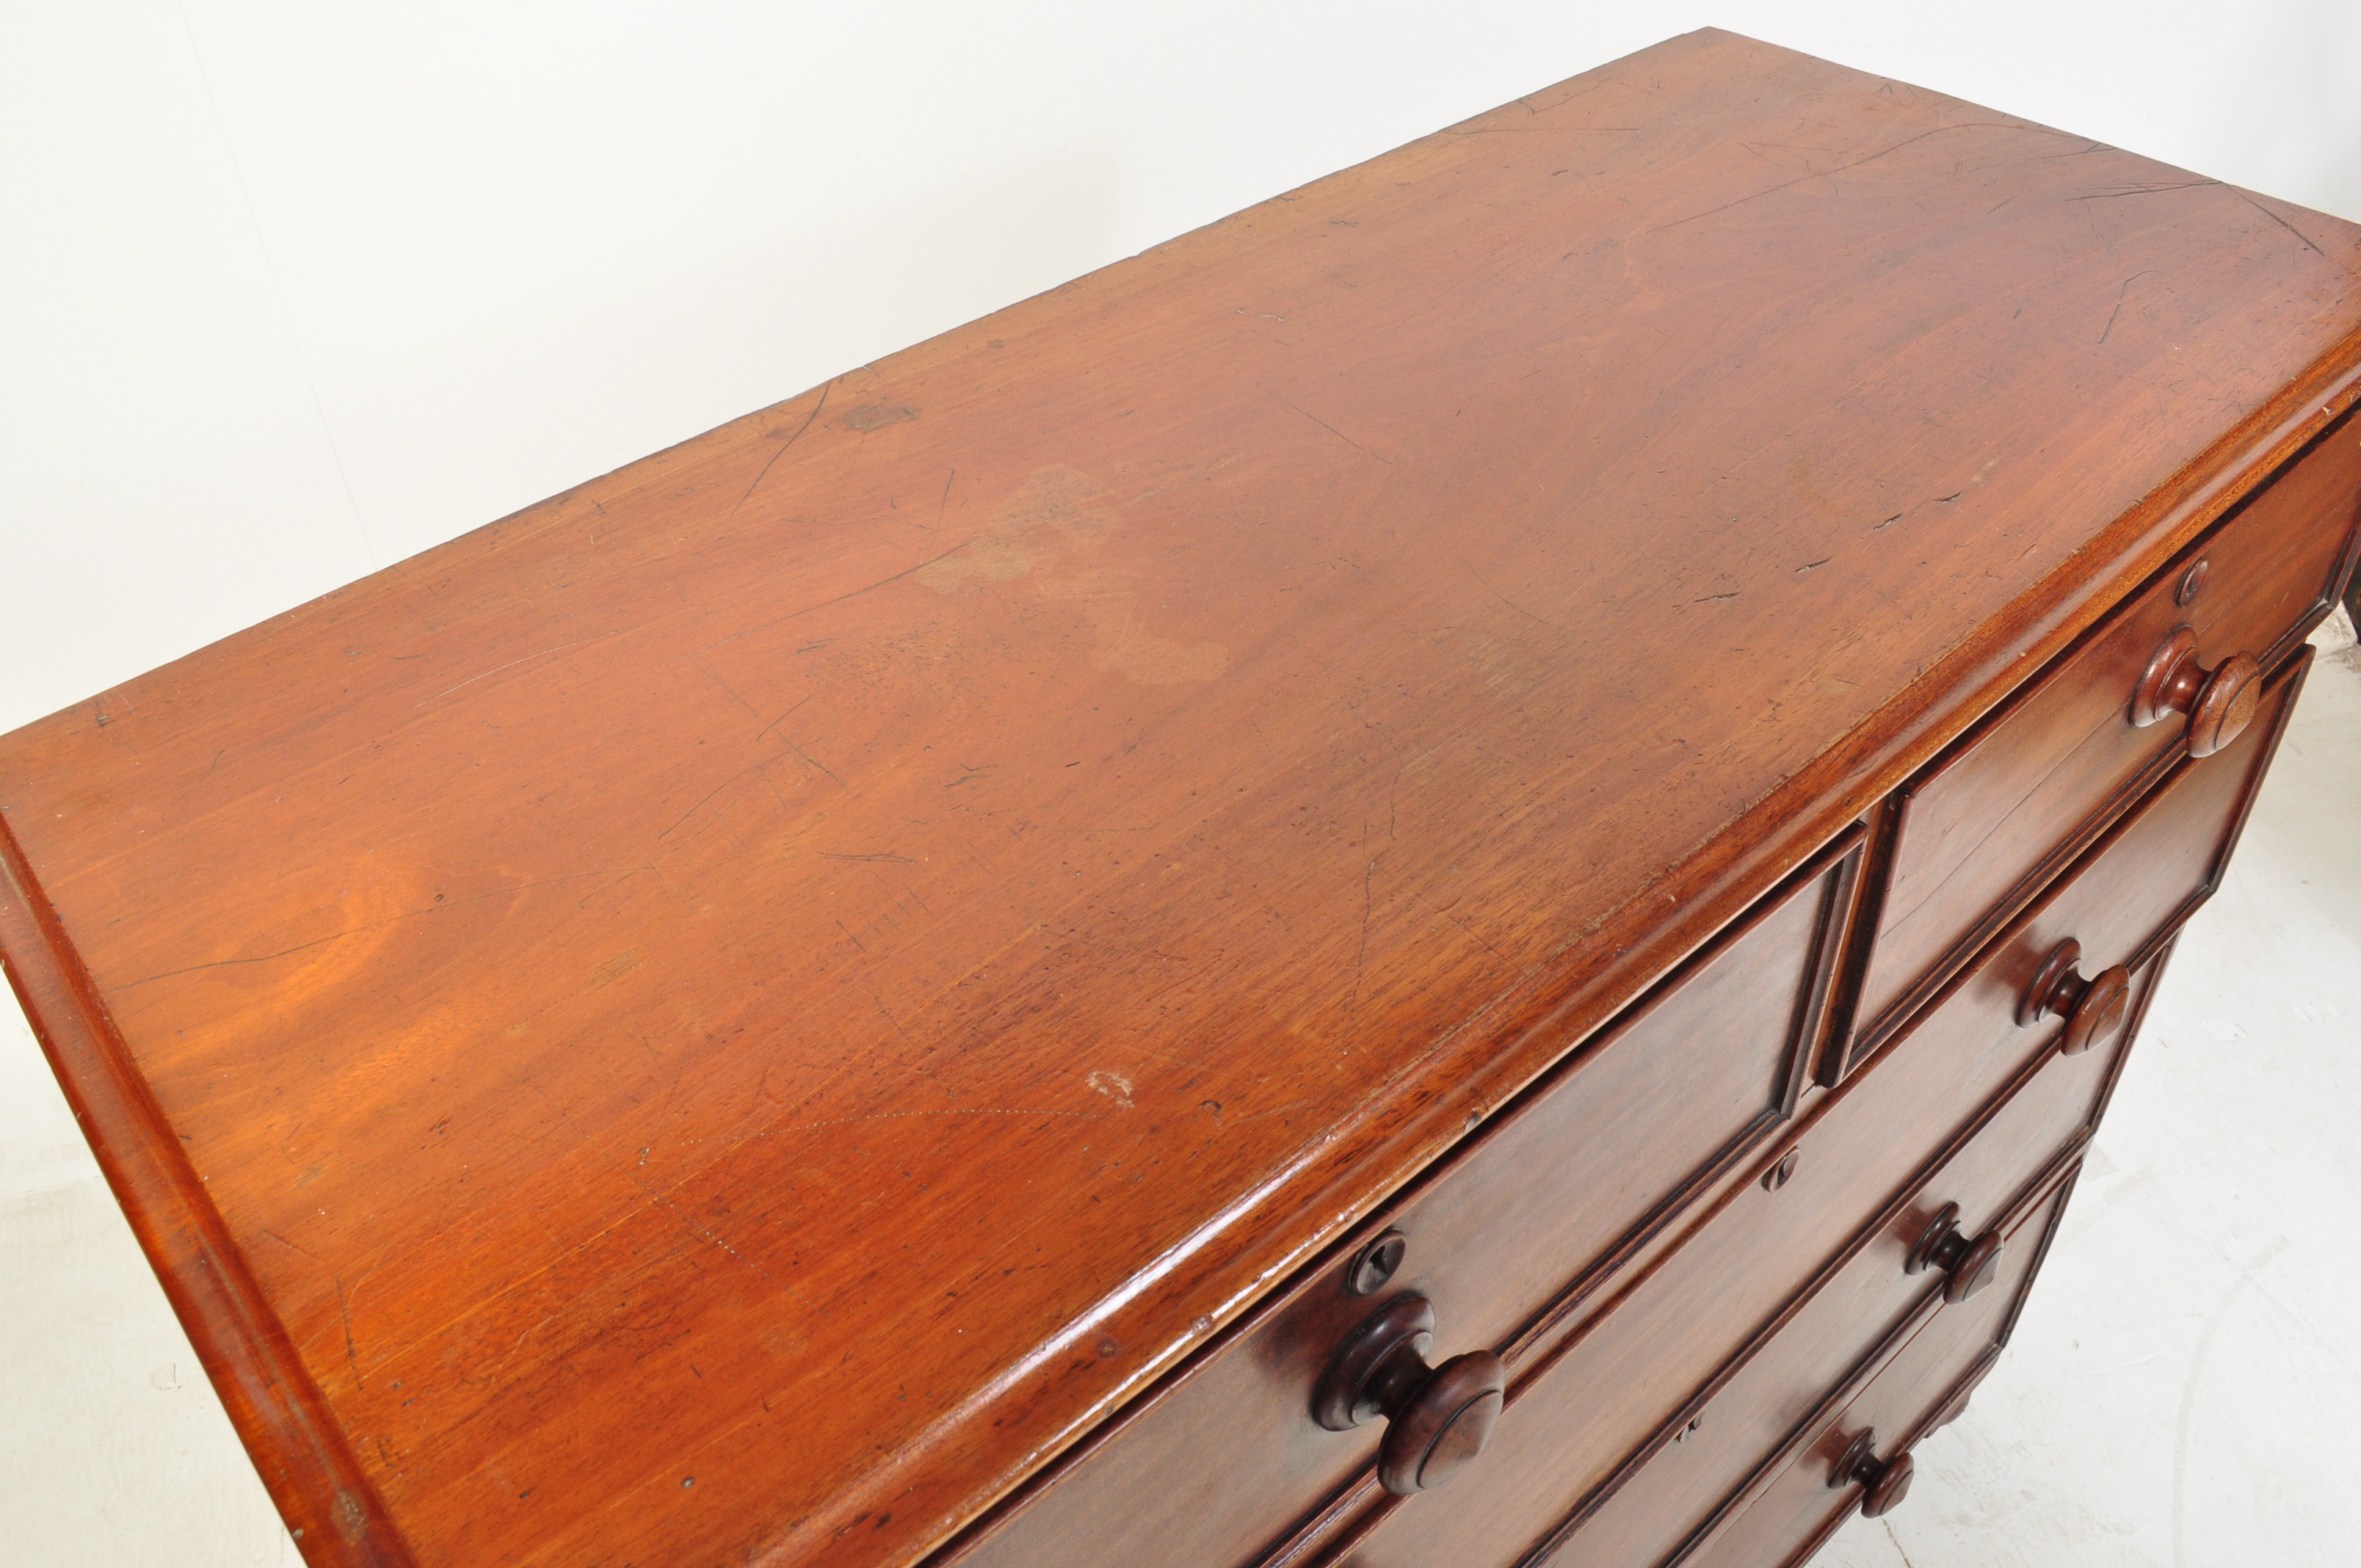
2021, 794
1556, 1194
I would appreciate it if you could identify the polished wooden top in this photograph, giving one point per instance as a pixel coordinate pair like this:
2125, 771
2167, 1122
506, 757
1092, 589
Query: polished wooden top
736, 1012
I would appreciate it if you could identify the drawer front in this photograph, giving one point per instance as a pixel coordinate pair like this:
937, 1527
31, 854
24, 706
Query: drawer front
1925, 1384
1870, 1294
1565, 1186
2159, 861
1633, 1373
1999, 812
1550, 1488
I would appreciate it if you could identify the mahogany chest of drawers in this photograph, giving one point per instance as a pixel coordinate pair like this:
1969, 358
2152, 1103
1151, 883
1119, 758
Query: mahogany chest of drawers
1447, 874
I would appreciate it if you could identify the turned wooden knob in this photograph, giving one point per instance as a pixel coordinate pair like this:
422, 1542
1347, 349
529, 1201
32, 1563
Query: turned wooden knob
1969, 1265
2094, 1009
1887, 1480
2220, 702
1438, 1417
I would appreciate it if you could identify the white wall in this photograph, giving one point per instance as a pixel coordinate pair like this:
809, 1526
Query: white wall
290, 291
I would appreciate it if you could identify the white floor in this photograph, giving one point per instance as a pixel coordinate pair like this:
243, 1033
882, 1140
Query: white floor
2180, 1394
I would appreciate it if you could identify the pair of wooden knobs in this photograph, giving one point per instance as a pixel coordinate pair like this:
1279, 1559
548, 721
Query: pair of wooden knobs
1439, 1417
2220, 704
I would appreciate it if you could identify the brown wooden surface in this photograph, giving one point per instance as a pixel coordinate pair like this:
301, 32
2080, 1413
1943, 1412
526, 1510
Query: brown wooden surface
1139, 1497
1778, 1534
1900, 1403
738, 1011
1557, 1193
1868, 1297
1576, 1430
1676, 1489
1996, 819
2150, 871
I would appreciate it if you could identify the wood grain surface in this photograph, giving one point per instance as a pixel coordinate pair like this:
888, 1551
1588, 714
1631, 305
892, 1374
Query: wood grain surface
734, 1013
1583, 1179
1991, 822
1904, 1400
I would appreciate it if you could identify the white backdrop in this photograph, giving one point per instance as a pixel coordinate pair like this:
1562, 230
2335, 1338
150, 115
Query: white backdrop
290, 291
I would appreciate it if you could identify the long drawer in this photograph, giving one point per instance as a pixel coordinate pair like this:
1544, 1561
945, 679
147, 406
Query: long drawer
1997, 816
1580, 1177
1847, 1453
1607, 1397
